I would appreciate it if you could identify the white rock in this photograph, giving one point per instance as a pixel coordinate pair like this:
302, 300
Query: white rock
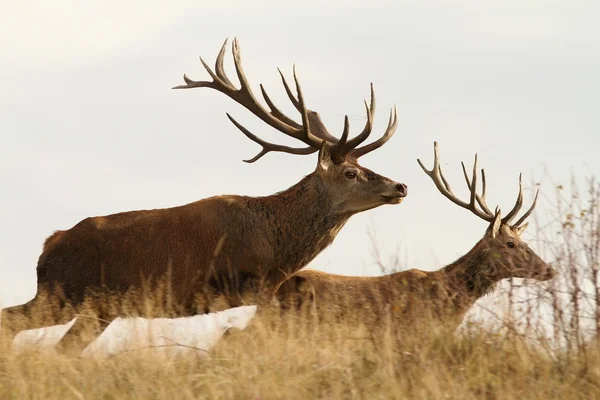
167, 335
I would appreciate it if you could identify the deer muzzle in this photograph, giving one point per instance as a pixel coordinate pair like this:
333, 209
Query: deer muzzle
396, 195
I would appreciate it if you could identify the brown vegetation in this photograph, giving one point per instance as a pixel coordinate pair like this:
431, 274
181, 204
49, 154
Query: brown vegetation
298, 362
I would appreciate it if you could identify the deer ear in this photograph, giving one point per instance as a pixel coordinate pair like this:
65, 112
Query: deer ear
494, 227
521, 229
325, 160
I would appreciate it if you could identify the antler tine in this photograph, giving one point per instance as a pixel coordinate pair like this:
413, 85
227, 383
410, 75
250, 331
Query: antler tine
472, 185
317, 127
361, 137
304, 112
267, 146
276, 112
220, 81
316, 124
288, 90
436, 170
344, 147
481, 199
389, 132
437, 177
518, 204
473, 188
442, 185
529, 211
483, 184
219, 69
370, 108
339, 151
239, 69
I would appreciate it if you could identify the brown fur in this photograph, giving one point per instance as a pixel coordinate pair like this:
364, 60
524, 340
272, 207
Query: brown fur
416, 296
223, 245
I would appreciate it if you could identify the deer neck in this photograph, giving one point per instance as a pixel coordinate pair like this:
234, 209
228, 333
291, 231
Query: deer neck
304, 222
470, 277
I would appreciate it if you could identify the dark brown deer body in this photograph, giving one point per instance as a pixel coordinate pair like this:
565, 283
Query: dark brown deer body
224, 244
416, 296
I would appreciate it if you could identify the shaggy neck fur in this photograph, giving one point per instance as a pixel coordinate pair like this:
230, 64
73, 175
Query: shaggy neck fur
472, 274
303, 221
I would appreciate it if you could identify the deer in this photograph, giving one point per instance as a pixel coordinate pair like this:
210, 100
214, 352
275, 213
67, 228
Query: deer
231, 244
415, 296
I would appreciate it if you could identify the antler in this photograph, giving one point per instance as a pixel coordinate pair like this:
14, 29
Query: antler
475, 200
389, 132
518, 204
312, 130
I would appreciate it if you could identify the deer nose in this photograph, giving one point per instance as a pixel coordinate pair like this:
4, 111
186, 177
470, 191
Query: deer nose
402, 188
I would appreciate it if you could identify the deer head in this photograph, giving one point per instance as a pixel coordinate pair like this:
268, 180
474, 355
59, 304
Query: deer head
352, 187
503, 253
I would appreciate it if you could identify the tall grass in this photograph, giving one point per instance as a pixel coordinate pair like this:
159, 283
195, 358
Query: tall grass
541, 343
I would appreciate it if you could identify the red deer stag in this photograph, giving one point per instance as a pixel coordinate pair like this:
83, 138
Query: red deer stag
415, 295
227, 243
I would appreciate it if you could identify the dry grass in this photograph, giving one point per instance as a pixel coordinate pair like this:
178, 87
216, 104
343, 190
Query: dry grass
292, 359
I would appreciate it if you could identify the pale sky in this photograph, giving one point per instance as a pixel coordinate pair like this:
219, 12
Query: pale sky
90, 125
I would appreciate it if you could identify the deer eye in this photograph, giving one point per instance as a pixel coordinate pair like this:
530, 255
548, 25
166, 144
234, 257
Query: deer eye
511, 245
350, 174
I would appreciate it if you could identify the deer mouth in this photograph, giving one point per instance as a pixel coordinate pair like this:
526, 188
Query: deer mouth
396, 199
549, 274
545, 275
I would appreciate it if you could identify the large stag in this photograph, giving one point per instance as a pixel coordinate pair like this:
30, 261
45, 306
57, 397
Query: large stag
228, 244
415, 295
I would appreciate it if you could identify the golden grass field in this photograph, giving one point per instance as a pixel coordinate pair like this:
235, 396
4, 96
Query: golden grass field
295, 360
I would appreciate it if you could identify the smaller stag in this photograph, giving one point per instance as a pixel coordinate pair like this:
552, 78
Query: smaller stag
415, 295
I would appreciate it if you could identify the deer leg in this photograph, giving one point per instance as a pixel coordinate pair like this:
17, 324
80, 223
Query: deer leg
83, 332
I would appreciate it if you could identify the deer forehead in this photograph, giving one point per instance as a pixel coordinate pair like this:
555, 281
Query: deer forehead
350, 162
507, 233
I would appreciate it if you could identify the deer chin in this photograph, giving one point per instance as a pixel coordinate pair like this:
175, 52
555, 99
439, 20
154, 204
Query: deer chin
543, 275
395, 199
546, 275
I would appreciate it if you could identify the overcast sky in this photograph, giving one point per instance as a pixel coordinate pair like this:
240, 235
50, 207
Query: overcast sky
90, 125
